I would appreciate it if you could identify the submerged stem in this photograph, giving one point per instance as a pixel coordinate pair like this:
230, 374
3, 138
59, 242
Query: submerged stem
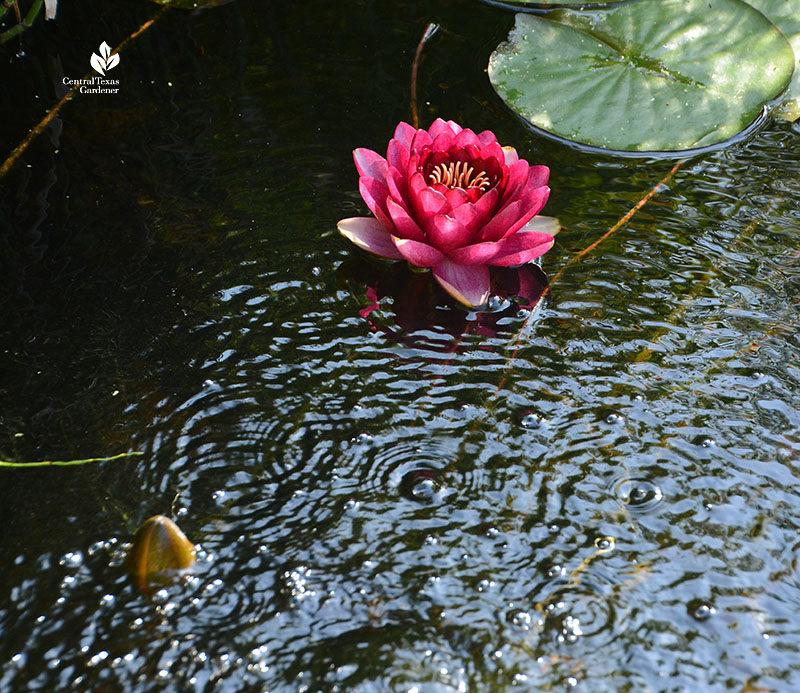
68, 463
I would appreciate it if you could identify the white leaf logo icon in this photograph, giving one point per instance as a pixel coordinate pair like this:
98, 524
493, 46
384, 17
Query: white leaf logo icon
106, 60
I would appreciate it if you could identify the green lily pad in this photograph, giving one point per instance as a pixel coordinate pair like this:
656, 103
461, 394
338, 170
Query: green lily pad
551, 4
655, 75
786, 16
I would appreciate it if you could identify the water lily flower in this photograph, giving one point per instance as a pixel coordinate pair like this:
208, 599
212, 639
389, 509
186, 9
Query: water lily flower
454, 201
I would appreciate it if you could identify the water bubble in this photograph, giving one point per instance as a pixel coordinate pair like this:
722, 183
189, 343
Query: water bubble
421, 485
613, 418
71, 559
556, 571
521, 619
604, 544
570, 629
496, 304
530, 421
700, 611
640, 495
364, 438
485, 585
704, 441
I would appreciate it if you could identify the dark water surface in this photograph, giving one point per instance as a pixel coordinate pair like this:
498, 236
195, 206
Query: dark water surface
598, 496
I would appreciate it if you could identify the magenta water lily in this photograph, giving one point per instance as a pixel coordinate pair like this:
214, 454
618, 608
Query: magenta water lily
454, 201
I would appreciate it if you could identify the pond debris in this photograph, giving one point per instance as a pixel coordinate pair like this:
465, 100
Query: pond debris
159, 550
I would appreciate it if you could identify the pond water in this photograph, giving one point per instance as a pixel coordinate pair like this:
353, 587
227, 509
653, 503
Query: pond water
599, 494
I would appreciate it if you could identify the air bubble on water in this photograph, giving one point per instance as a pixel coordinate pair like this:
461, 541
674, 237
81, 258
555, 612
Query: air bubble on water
521, 619
556, 570
700, 611
485, 585
639, 494
704, 441
71, 559
605, 543
530, 421
570, 630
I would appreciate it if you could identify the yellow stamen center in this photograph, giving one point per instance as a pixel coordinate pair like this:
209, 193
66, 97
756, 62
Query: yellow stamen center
459, 175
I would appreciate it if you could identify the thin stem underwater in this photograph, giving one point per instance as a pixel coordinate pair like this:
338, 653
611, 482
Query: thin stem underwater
68, 463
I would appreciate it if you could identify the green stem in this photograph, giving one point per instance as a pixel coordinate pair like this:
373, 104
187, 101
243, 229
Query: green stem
24, 24
68, 463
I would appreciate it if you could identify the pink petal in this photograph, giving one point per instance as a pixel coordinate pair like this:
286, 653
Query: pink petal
501, 222
430, 203
469, 285
370, 164
404, 225
443, 141
487, 203
416, 184
419, 254
447, 233
404, 133
439, 126
541, 224
531, 204
511, 156
369, 234
466, 138
521, 248
517, 178
421, 140
493, 151
456, 197
397, 155
475, 254
486, 137
470, 217
375, 194
538, 176
398, 186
